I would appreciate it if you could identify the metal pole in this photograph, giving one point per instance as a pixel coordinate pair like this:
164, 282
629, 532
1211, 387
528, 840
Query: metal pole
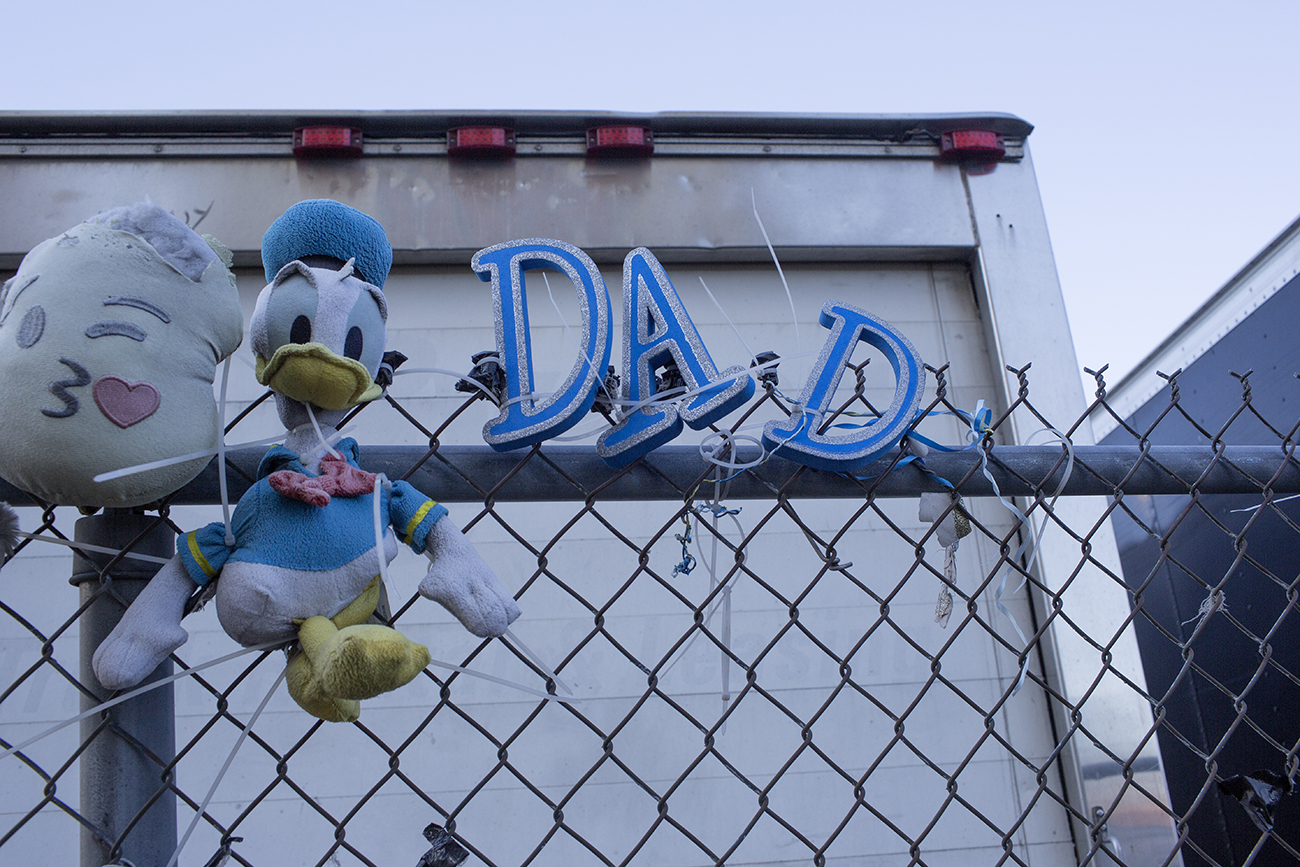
126, 766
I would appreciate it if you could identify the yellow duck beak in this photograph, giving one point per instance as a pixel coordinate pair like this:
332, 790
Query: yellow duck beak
311, 373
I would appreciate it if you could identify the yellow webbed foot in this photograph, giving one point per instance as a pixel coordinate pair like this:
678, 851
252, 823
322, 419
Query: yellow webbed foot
305, 688
361, 662
339, 667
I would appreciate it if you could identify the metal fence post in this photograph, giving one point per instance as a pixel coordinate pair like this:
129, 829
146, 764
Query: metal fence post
129, 745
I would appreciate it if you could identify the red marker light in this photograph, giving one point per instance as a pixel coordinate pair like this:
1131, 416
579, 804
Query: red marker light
481, 141
620, 141
971, 146
326, 141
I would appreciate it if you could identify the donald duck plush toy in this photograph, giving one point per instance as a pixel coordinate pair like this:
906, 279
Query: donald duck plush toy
300, 559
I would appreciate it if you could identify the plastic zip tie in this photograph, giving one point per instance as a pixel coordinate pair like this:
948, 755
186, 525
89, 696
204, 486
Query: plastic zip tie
329, 441
221, 454
794, 317
381, 484
144, 558
319, 435
239, 742
460, 377
1033, 536
567, 332
537, 661
180, 459
708, 454
502, 681
140, 690
752, 356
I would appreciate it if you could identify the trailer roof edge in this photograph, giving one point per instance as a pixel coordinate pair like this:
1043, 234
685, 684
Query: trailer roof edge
436, 123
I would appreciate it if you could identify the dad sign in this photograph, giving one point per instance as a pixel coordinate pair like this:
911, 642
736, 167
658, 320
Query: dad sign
656, 330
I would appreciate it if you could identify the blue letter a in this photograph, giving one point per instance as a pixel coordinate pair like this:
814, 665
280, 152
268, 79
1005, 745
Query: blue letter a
657, 330
523, 420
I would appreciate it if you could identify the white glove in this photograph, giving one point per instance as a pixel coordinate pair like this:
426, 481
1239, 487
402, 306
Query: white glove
148, 632
463, 583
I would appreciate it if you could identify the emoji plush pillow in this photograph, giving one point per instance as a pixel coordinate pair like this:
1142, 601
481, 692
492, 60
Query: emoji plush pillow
109, 339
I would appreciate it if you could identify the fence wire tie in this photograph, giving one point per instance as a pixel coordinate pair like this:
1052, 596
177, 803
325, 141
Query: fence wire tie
1216, 601
829, 557
222, 855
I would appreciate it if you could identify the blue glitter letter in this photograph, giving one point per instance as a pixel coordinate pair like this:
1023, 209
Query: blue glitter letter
797, 438
524, 421
657, 330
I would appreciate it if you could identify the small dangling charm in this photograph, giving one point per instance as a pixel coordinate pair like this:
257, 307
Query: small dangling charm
943, 606
952, 527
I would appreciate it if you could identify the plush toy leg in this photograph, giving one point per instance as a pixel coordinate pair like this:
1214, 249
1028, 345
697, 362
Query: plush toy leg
358, 611
148, 632
305, 687
344, 660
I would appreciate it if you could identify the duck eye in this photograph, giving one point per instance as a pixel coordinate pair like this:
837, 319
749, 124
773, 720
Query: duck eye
300, 331
352, 346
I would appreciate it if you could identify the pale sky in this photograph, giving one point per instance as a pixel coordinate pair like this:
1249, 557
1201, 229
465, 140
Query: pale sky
1166, 131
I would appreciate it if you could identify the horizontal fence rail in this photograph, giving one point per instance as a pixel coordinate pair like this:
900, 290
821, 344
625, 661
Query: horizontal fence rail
470, 474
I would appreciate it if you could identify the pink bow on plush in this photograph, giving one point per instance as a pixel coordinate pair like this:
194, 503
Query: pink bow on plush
337, 478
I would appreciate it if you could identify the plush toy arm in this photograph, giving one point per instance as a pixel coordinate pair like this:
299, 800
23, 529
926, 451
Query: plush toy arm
148, 632
463, 583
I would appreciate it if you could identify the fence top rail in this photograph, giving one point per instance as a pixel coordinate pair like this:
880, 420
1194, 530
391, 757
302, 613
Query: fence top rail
475, 474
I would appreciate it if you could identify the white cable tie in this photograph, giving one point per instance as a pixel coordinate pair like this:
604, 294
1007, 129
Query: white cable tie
328, 442
794, 317
1256, 508
127, 696
180, 459
221, 454
319, 435
145, 558
537, 660
239, 742
510, 683
381, 484
587, 434
708, 451
567, 332
1033, 535
752, 356
460, 377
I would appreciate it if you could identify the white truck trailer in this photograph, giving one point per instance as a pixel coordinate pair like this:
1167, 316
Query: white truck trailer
855, 731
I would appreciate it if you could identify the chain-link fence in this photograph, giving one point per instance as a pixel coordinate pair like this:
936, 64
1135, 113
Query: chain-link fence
767, 666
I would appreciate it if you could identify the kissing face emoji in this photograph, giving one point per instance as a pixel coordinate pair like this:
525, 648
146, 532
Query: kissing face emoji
108, 349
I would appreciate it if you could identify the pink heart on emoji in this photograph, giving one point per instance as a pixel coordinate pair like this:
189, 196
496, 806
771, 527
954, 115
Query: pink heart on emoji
125, 403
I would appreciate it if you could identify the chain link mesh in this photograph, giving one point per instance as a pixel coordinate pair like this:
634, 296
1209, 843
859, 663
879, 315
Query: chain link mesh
768, 685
